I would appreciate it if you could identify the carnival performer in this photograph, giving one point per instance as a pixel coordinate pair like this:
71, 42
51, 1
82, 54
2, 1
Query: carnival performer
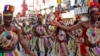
42, 40
10, 35
62, 42
90, 31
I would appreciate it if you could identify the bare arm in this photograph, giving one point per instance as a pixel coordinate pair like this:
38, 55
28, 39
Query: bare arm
78, 25
74, 27
24, 45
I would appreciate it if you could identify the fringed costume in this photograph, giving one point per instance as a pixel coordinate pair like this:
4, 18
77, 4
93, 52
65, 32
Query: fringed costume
7, 39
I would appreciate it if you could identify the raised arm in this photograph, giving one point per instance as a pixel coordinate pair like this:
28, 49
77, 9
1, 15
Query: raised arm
78, 25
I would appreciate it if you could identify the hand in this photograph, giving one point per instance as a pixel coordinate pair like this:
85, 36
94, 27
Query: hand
80, 40
31, 54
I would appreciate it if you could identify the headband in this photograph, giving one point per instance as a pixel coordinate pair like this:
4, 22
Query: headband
7, 14
93, 9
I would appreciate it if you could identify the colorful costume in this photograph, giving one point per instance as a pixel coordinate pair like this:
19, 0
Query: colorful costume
43, 42
7, 39
92, 35
62, 43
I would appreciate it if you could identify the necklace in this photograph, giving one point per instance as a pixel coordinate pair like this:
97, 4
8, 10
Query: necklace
91, 33
7, 34
92, 30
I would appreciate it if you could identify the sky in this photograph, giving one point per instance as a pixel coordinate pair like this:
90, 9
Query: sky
18, 3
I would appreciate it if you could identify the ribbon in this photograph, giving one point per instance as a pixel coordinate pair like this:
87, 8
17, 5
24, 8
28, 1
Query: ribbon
10, 54
1, 53
98, 50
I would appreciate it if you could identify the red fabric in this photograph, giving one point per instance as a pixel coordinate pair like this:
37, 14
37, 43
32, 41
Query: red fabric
14, 30
62, 50
29, 37
83, 46
84, 34
63, 41
83, 49
38, 15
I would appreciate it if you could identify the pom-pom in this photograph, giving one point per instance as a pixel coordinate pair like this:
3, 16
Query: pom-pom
11, 9
6, 8
93, 4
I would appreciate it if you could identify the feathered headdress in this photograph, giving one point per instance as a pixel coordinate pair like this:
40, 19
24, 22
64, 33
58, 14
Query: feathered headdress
8, 10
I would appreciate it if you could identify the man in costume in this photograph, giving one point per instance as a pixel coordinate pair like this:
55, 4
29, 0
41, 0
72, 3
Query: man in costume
10, 35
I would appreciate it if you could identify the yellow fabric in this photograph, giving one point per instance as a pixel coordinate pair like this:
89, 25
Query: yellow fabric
52, 28
7, 14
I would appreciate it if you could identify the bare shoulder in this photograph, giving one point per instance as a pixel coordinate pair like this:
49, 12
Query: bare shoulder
1, 28
83, 22
14, 28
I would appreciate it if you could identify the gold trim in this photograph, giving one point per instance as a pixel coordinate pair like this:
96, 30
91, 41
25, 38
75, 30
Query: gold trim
7, 14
